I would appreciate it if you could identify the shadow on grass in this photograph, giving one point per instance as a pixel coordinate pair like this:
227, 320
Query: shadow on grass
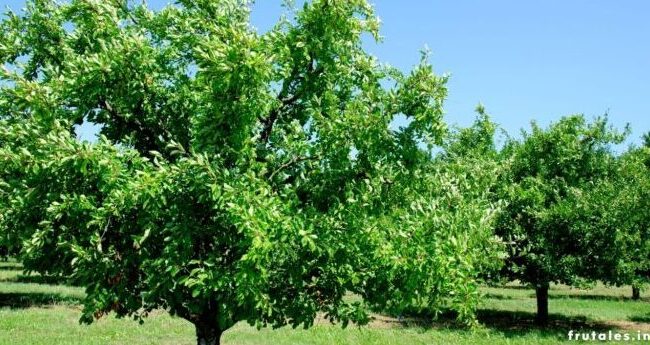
39, 279
497, 296
510, 324
517, 323
20, 300
640, 318
512, 287
560, 296
9, 266
590, 297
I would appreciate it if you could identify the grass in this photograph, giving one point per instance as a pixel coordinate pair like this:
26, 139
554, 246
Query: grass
598, 304
32, 312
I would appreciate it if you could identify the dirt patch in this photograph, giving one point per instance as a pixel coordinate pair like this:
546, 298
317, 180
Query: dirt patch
381, 321
500, 321
630, 325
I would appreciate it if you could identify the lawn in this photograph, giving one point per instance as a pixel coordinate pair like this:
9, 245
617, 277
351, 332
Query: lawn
34, 312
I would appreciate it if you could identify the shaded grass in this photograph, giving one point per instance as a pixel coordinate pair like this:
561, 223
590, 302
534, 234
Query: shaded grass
18, 276
58, 325
25, 295
517, 323
598, 304
35, 313
10, 265
641, 318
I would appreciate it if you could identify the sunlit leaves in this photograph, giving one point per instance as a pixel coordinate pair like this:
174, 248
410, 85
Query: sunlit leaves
546, 169
240, 176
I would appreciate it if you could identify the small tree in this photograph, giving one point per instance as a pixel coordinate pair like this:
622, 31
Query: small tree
545, 168
237, 176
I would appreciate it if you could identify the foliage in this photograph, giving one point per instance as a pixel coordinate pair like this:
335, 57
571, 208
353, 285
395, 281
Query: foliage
476, 141
440, 236
614, 217
545, 170
239, 175
437, 245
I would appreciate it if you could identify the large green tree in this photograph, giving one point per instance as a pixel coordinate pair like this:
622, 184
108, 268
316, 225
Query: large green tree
544, 170
239, 176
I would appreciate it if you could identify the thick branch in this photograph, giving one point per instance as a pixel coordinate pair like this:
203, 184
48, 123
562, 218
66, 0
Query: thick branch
275, 113
287, 100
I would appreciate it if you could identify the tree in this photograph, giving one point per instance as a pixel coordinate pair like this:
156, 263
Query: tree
615, 214
630, 207
544, 170
238, 174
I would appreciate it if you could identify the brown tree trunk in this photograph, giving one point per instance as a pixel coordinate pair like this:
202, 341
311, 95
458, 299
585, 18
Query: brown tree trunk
208, 334
636, 293
541, 292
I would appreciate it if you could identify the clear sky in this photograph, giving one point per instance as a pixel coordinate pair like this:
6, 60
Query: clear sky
523, 60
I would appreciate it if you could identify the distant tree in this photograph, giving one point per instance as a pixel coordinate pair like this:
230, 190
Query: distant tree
615, 216
238, 177
544, 169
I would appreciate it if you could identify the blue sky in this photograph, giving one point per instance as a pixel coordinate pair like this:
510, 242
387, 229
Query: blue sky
523, 60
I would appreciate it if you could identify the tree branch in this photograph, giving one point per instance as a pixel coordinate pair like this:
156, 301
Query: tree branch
291, 162
287, 100
275, 113
134, 124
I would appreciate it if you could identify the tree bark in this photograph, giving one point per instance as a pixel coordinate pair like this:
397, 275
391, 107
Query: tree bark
541, 292
636, 293
208, 334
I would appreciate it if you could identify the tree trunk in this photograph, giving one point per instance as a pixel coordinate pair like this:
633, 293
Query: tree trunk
208, 334
636, 292
541, 292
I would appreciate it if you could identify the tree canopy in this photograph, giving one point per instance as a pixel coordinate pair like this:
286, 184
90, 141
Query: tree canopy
544, 170
613, 216
239, 176
268, 176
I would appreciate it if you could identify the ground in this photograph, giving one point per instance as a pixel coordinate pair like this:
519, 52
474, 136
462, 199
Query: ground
35, 311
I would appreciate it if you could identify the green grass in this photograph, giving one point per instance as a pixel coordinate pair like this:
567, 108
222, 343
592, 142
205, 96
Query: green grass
33, 313
598, 304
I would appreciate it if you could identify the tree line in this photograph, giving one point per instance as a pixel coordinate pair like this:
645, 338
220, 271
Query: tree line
259, 177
